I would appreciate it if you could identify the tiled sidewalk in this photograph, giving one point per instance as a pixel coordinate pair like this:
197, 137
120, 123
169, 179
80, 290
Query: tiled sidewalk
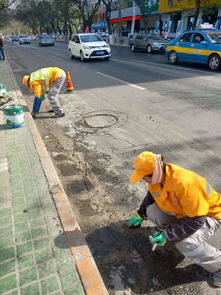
33, 260
34, 255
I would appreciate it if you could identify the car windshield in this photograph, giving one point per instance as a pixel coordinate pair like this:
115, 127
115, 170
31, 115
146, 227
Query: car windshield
23, 36
90, 38
45, 37
215, 37
154, 37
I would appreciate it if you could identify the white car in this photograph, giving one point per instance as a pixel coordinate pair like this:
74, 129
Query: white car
88, 46
23, 39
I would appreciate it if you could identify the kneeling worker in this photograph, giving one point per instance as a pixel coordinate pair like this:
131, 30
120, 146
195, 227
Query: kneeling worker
184, 206
46, 80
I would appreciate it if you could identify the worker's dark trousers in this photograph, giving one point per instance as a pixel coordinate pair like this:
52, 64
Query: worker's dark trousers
195, 246
2, 55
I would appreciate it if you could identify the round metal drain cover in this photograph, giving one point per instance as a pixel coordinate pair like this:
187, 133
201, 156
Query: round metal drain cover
99, 121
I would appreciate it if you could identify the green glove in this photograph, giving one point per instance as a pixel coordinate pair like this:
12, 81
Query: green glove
158, 238
135, 221
43, 97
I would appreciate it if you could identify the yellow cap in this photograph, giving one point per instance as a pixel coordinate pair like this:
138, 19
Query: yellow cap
144, 164
25, 80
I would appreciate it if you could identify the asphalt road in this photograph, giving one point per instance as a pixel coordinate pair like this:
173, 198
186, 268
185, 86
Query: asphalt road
132, 103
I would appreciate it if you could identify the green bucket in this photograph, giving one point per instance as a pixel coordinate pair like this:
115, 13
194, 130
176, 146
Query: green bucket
14, 116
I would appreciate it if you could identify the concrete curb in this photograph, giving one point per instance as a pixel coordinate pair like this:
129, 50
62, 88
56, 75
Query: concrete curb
85, 264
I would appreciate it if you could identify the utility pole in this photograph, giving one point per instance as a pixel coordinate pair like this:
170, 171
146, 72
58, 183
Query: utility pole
85, 10
119, 22
133, 19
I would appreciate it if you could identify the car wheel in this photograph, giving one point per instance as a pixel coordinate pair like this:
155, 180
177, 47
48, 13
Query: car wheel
149, 49
214, 62
107, 58
71, 55
132, 48
82, 56
173, 58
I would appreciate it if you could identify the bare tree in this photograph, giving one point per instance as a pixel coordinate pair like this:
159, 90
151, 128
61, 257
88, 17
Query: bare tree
87, 11
4, 4
108, 4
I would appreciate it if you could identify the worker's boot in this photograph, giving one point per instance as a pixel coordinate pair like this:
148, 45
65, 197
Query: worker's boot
215, 278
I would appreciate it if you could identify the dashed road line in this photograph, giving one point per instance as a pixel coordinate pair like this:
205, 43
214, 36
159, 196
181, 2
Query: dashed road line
122, 81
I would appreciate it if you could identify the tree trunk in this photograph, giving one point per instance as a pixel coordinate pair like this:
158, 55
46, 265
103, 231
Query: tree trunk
145, 21
107, 15
109, 26
196, 13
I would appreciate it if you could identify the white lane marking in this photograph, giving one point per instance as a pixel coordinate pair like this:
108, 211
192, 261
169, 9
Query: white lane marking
122, 81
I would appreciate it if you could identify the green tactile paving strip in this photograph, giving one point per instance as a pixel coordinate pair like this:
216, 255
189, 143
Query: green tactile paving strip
31, 261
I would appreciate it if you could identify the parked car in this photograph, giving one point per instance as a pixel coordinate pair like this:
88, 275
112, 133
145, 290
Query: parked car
88, 46
7, 38
45, 40
23, 39
148, 42
200, 46
14, 38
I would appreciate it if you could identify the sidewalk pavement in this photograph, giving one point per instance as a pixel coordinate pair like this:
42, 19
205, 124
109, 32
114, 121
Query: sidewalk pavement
42, 249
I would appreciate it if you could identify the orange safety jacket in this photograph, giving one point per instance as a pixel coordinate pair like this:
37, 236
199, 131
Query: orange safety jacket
186, 194
40, 84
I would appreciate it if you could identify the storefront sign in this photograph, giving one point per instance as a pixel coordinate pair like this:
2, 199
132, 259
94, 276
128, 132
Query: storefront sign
123, 19
177, 5
149, 6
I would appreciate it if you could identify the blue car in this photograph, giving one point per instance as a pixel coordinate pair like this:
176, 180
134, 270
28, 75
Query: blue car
200, 46
45, 40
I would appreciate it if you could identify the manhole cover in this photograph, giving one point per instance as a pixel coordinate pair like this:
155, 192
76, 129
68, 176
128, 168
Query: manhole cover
100, 121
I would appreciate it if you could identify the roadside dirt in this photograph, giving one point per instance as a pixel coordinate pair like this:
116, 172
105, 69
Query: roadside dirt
101, 201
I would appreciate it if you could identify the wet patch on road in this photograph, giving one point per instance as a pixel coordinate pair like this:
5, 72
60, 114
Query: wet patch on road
68, 169
86, 209
79, 186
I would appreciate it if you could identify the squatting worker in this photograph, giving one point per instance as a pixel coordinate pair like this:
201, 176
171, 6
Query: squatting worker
46, 80
185, 208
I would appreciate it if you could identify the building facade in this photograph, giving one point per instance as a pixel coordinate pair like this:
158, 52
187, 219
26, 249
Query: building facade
155, 16
180, 16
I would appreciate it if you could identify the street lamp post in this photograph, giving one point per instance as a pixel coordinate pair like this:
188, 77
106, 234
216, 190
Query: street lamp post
133, 19
119, 22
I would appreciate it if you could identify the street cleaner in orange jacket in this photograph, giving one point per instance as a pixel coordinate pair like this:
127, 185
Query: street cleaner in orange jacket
47, 80
185, 208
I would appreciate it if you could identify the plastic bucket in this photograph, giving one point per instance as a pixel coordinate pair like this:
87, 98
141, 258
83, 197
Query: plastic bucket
14, 116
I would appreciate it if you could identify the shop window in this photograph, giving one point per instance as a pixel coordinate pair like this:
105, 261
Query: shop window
210, 15
190, 23
175, 18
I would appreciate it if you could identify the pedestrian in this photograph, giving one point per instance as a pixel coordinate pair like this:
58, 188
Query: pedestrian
185, 208
2, 55
163, 34
47, 80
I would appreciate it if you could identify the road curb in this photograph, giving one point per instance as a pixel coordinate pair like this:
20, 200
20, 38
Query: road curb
85, 264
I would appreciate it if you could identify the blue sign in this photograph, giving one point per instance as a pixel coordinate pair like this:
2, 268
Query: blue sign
99, 25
